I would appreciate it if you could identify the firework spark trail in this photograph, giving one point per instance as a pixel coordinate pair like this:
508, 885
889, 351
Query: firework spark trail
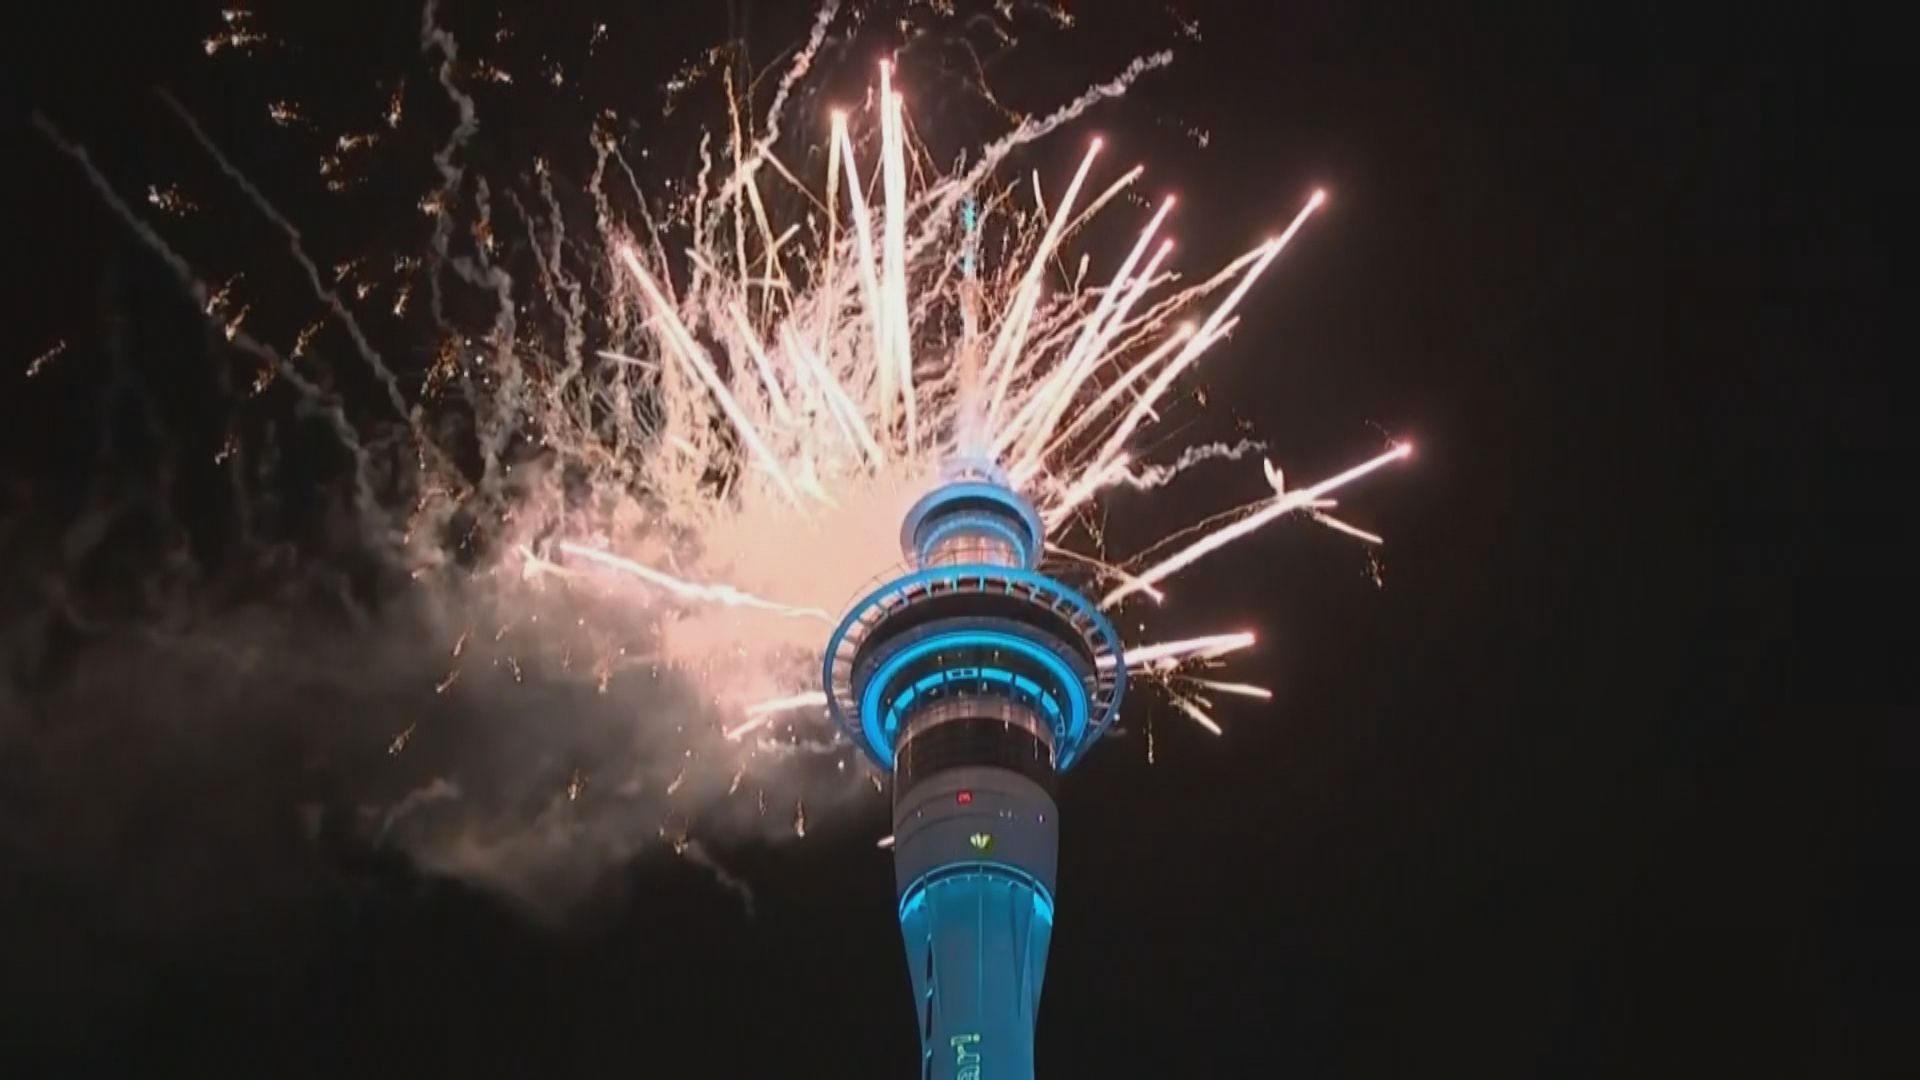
1099, 203
693, 852
1209, 647
1104, 570
844, 410
494, 412
1054, 393
673, 333
893, 171
1084, 489
1240, 689
877, 310
763, 713
1279, 507
797, 70
1337, 525
1005, 357
948, 195
809, 699
1131, 334
312, 397
553, 267
715, 594
1098, 407
432, 37
1207, 333
1199, 715
646, 215
762, 364
1098, 329
368, 353
39, 363
1153, 476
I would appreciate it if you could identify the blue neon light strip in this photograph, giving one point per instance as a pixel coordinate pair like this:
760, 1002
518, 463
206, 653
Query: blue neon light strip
880, 725
1021, 683
969, 221
883, 599
916, 895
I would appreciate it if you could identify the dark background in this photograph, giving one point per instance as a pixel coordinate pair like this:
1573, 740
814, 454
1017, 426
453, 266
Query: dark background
1599, 784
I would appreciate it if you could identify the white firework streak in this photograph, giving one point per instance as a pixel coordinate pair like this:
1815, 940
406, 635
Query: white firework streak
1200, 648
762, 713
1239, 689
1278, 507
1192, 708
725, 595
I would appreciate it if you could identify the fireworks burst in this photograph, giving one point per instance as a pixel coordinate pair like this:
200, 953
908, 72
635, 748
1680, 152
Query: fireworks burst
236, 33
688, 432
169, 200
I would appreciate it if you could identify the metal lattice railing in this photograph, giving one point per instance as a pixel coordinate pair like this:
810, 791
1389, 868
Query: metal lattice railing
913, 587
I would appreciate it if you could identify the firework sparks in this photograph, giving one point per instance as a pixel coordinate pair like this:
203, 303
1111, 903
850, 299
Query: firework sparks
39, 363
169, 200
304, 340
1278, 507
740, 384
715, 594
1209, 647
760, 714
238, 33
400, 741
1239, 689
1199, 715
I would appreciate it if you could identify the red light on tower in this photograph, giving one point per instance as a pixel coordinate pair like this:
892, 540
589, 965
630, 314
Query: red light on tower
964, 798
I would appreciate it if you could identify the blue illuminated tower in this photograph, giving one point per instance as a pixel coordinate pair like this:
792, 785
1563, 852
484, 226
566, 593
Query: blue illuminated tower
975, 680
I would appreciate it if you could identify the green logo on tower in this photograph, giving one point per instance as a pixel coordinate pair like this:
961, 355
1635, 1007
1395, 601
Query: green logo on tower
968, 1060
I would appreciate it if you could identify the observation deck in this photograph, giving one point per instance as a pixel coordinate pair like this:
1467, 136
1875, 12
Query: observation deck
970, 617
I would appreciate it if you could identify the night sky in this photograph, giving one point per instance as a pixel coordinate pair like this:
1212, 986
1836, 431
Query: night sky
1597, 780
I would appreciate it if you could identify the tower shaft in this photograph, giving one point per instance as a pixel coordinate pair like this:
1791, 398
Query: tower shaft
976, 916
976, 834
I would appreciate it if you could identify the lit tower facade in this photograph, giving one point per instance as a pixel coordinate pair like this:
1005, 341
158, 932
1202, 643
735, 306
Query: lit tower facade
976, 681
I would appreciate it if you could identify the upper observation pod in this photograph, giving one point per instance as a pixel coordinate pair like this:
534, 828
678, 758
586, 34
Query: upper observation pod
973, 627
974, 517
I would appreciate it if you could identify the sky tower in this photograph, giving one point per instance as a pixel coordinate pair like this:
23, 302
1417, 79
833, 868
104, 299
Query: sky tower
975, 680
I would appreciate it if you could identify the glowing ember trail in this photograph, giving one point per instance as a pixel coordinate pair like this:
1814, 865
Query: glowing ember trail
1202, 648
712, 594
1239, 689
1186, 705
1279, 507
760, 714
